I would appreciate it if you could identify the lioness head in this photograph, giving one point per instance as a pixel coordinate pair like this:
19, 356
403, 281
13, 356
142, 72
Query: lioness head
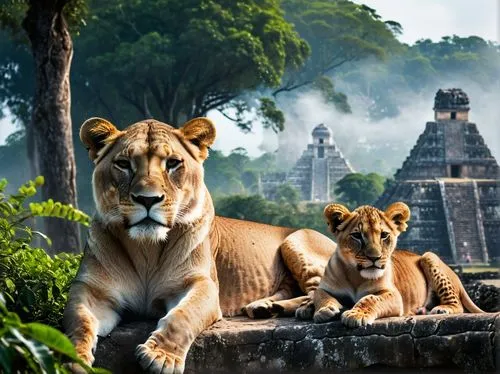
149, 177
367, 236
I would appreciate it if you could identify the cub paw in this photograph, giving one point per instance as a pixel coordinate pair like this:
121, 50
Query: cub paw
326, 314
305, 311
157, 360
442, 309
259, 309
357, 318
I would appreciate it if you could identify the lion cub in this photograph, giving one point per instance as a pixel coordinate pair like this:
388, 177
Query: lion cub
367, 274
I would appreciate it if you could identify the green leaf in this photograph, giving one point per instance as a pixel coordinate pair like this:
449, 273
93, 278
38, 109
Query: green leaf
51, 337
10, 284
39, 351
47, 239
27, 296
5, 357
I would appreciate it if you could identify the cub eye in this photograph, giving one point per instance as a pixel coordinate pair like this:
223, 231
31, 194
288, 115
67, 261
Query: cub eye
384, 234
172, 163
123, 164
357, 235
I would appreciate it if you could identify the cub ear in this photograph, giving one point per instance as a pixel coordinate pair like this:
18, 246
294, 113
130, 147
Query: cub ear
399, 214
200, 132
336, 214
95, 133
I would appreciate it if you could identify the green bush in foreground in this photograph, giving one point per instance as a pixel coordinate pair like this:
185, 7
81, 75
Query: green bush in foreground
33, 286
34, 347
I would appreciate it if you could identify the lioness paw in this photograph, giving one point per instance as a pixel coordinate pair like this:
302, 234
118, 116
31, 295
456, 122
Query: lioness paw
305, 311
357, 318
259, 309
326, 314
157, 360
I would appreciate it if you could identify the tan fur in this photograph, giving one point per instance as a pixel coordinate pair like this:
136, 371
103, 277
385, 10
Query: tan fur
369, 278
190, 267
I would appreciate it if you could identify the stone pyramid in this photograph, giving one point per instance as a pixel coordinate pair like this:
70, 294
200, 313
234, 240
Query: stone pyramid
451, 182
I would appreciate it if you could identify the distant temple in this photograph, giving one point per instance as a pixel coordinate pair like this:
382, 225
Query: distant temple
315, 173
451, 182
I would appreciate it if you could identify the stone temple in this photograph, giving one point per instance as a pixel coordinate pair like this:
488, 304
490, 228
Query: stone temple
315, 173
451, 182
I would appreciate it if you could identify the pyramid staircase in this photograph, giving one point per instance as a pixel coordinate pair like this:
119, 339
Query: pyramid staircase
466, 235
320, 177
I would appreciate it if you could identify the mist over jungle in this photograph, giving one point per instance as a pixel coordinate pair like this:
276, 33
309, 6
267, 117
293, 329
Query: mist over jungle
337, 63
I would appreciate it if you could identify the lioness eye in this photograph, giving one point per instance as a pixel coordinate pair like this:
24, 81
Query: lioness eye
357, 235
123, 164
384, 235
172, 163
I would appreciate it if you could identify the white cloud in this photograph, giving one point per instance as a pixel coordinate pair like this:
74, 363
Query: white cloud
6, 128
434, 19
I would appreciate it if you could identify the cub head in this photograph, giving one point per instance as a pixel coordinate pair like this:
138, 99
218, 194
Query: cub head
149, 177
366, 237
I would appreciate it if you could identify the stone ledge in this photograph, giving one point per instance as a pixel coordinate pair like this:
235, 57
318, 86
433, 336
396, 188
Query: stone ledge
467, 342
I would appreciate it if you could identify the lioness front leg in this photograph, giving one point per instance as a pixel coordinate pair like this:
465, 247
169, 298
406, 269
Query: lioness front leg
166, 349
89, 313
384, 303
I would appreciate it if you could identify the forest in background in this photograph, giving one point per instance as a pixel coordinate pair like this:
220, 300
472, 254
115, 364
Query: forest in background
172, 60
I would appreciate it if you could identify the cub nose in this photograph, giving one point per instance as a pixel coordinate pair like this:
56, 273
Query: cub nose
147, 201
374, 259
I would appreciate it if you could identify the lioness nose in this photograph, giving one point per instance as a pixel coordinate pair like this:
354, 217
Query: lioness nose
147, 201
373, 259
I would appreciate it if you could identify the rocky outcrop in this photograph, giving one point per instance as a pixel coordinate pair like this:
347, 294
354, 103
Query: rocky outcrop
486, 297
468, 342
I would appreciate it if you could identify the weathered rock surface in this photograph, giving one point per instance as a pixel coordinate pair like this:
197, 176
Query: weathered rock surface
486, 297
467, 342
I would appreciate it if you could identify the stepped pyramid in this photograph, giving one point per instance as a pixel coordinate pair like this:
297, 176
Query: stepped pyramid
315, 172
451, 182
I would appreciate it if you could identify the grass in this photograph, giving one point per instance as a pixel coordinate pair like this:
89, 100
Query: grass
479, 269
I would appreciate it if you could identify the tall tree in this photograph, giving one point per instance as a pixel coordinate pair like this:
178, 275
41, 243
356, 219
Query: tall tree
339, 33
176, 59
49, 136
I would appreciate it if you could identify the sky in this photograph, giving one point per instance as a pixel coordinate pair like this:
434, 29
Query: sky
419, 18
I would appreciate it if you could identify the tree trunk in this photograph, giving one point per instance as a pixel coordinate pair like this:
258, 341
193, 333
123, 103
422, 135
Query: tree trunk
53, 156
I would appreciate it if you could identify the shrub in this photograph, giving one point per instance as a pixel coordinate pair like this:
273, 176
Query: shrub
34, 347
34, 284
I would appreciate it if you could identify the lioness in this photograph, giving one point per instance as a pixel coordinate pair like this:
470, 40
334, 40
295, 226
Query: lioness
367, 274
156, 249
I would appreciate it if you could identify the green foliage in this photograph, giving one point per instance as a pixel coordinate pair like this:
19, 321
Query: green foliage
235, 173
271, 115
34, 347
284, 212
173, 59
34, 284
418, 67
12, 13
357, 189
339, 33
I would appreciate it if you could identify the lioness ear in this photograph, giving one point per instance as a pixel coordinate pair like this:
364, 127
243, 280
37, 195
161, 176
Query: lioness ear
399, 213
201, 132
95, 133
336, 214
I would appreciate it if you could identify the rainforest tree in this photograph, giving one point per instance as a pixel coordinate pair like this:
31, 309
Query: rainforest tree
178, 59
43, 24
